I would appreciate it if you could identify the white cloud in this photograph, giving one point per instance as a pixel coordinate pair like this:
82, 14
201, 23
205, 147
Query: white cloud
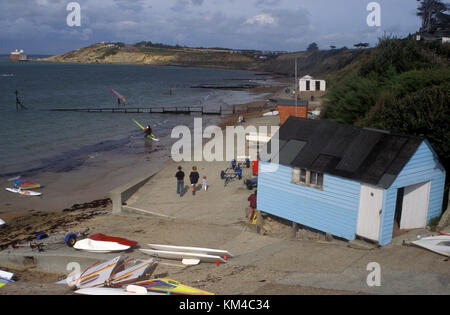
261, 19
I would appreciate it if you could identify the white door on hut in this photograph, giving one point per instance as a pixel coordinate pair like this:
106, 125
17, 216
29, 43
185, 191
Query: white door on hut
414, 209
369, 214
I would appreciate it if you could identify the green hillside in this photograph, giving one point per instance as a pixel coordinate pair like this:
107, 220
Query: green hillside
402, 85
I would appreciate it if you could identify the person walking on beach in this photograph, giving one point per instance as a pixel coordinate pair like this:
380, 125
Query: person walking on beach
252, 200
205, 183
180, 181
194, 176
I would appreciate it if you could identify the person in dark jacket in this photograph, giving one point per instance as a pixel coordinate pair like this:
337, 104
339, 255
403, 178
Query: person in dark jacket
253, 207
180, 181
194, 176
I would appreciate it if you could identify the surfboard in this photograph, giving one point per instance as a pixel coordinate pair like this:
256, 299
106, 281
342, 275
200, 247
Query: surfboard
93, 276
27, 184
92, 246
129, 290
182, 255
186, 249
170, 286
23, 192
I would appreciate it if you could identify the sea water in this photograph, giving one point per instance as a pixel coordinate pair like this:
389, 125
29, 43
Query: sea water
38, 139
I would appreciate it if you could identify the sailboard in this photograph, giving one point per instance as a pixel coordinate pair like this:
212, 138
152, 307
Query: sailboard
93, 276
132, 274
23, 192
183, 255
129, 290
119, 96
170, 286
188, 249
4, 281
152, 137
27, 184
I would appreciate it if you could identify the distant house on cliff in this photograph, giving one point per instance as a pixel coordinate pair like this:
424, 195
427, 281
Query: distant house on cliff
308, 84
350, 181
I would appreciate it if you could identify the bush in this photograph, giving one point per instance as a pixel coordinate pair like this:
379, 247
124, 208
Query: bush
351, 99
394, 56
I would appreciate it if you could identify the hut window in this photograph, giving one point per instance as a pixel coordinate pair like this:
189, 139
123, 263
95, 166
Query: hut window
303, 175
308, 85
316, 179
317, 85
307, 178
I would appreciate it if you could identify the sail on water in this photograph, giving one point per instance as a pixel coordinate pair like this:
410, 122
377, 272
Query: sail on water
120, 98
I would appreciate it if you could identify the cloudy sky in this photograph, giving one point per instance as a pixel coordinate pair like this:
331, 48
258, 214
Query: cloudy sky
40, 26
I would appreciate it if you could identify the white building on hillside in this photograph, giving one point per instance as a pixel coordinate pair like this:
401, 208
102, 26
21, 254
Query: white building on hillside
308, 84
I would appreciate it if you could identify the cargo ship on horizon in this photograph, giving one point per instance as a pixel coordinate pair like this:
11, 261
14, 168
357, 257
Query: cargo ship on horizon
18, 55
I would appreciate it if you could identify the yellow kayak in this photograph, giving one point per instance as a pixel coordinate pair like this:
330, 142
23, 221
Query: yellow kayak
170, 286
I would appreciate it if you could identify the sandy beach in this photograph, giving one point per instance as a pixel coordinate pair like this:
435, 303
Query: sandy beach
268, 260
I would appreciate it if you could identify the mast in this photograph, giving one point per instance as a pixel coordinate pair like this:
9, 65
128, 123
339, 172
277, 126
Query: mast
296, 83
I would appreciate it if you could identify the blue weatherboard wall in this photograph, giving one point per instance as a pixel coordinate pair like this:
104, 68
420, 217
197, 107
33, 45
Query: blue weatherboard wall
333, 209
422, 167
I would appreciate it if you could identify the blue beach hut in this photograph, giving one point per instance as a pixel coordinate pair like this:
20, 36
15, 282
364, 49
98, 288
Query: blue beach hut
350, 181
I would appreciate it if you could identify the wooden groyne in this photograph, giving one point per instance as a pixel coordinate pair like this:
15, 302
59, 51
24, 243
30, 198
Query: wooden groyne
186, 110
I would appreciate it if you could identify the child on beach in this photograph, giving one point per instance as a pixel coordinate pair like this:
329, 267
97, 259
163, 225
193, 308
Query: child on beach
253, 206
194, 176
205, 183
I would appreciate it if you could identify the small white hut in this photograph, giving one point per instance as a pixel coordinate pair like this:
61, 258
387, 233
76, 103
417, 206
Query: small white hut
308, 84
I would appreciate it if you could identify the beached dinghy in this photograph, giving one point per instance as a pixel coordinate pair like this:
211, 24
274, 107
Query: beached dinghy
92, 246
93, 276
439, 244
23, 192
187, 249
129, 290
182, 255
170, 286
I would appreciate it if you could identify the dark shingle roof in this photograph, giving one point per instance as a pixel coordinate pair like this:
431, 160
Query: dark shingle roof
370, 156
291, 102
